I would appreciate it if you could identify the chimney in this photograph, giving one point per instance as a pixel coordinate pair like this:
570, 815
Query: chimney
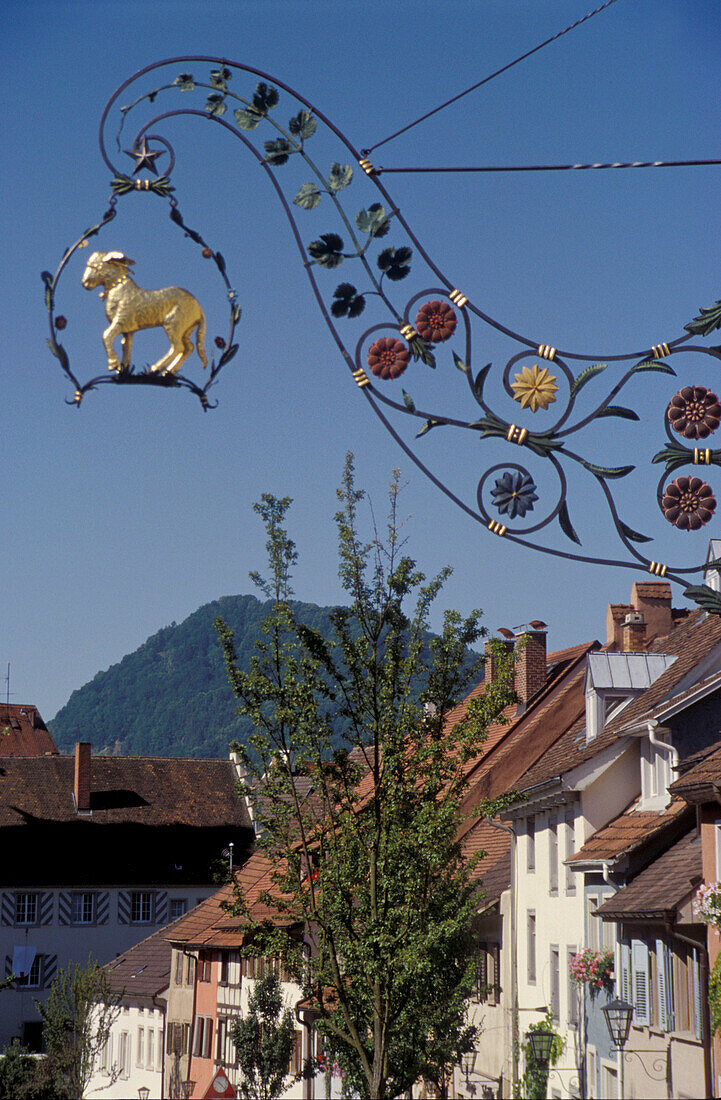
82, 777
634, 633
615, 618
652, 599
496, 648
530, 665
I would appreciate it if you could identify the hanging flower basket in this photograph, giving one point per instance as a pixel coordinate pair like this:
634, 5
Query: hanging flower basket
594, 968
707, 903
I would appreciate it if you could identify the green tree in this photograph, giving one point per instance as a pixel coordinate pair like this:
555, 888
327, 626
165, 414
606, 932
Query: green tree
23, 1077
264, 1042
77, 1016
370, 865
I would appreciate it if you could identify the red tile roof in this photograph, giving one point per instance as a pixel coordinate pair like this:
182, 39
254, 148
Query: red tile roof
628, 831
23, 732
701, 778
143, 972
659, 889
152, 820
493, 871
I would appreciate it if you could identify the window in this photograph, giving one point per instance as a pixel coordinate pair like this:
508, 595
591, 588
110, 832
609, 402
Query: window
531, 944
178, 906
141, 907
609, 1081
106, 1055
296, 1058
33, 979
220, 1037
203, 1037
594, 931
205, 966
655, 773
26, 908
151, 1048
208, 1038
190, 973
224, 967
552, 855
570, 822
179, 959
531, 844
82, 908
124, 1058
555, 984
140, 1048
573, 991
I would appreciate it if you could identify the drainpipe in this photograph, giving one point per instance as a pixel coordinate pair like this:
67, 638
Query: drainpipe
515, 1039
673, 753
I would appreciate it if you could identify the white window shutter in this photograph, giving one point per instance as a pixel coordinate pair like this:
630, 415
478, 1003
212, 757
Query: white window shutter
639, 961
661, 981
625, 972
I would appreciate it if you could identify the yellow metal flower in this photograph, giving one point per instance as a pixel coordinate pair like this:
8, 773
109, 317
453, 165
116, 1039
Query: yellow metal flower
534, 388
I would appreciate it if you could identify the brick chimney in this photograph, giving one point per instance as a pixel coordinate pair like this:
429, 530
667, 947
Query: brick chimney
81, 787
530, 665
652, 599
633, 636
493, 659
615, 618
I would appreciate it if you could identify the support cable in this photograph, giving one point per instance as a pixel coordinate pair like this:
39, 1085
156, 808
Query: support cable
552, 167
486, 79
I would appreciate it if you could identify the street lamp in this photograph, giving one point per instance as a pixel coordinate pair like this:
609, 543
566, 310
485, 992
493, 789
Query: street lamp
187, 1087
618, 1021
540, 1041
143, 1092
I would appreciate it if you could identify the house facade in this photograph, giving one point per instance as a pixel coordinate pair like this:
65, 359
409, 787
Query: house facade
97, 853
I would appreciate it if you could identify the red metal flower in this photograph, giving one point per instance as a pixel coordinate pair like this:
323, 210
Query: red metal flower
388, 358
694, 412
435, 322
688, 503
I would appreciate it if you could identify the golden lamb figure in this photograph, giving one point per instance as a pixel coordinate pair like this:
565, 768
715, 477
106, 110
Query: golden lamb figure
129, 308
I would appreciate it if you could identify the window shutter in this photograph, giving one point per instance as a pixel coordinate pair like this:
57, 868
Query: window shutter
45, 908
670, 987
8, 965
102, 907
124, 907
662, 978
161, 907
697, 1006
48, 969
7, 909
625, 972
639, 960
64, 907
482, 975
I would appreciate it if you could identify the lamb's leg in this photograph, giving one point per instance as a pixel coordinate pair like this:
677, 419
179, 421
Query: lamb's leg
127, 345
108, 340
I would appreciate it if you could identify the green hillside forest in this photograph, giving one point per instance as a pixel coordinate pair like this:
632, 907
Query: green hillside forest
171, 696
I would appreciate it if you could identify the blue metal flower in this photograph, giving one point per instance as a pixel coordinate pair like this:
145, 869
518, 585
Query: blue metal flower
514, 494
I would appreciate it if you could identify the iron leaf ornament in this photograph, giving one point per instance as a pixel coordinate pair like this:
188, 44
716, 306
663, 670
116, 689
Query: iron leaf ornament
538, 413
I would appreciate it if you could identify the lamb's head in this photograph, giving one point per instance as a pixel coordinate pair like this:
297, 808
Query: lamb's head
103, 267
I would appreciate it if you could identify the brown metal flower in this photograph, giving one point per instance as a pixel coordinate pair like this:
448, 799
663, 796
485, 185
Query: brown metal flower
435, 322
388, 358
694, 412
688, 503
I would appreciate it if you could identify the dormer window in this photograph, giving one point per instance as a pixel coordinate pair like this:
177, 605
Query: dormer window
613, 680
655, 773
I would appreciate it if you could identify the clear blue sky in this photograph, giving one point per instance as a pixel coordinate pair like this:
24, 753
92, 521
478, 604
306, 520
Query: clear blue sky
130, 512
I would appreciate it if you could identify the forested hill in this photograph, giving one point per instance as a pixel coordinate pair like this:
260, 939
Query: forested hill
171, 696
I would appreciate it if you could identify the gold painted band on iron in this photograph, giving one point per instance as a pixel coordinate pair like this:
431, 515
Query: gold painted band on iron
457, 298
701, 457
546, 351
660, 350
361, 378
408, 332
497, 528
657, 569
366, 166
516, 435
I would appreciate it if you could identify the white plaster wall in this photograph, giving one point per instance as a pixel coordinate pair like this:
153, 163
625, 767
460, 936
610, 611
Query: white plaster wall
613, 791
140, 1072
74, 943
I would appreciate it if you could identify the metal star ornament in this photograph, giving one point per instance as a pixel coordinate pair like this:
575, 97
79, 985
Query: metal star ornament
144, 157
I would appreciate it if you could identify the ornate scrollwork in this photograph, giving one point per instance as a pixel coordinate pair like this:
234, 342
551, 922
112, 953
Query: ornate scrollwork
410, 362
